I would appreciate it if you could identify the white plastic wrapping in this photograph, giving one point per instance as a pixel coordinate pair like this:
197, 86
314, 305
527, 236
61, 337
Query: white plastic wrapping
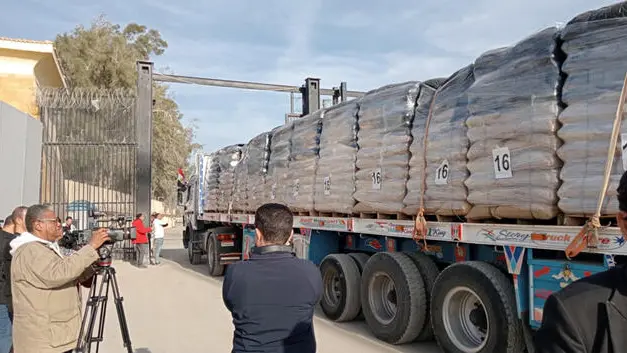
512, 131
257, 157
385, 117
335, 175
447, 145
305, 146
277, 179
228, 159
595, 44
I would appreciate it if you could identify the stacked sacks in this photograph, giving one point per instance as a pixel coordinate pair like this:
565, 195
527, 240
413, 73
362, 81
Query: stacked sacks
257, 156
305, 145
276, 186
447, 145
595, 44
335, 174
228, 159
240, 196
211, 189
512, 131
385, 118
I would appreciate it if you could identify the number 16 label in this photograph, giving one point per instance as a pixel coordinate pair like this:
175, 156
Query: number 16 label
502, 163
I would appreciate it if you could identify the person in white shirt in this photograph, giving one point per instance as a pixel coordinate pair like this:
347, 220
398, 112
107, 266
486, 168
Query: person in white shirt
158, 232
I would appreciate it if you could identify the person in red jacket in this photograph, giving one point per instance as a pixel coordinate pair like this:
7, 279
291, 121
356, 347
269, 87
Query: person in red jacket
141, 241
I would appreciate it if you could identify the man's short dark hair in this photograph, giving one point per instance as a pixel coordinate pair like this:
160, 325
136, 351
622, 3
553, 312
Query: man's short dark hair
622, 193
8, 221
275, 222
68, 218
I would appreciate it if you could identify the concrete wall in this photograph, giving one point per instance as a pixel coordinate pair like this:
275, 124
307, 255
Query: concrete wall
20, 158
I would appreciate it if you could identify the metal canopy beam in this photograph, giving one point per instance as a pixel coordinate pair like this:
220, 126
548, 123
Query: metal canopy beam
242, 84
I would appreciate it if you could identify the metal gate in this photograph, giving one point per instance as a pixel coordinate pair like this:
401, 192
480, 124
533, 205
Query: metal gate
89, 157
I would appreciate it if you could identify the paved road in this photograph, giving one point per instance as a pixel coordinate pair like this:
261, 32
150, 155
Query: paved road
176, 307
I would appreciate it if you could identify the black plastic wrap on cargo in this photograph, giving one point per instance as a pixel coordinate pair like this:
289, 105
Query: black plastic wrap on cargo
595, 45
227, 159
276, 185
512, 127
447, 145
335, 173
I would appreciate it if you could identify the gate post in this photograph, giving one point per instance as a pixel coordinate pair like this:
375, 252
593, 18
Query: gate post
143, 112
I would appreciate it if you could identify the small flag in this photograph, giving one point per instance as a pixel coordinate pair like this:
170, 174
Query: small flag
181, 176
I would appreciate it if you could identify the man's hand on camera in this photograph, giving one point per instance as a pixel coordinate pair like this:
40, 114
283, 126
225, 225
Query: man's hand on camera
98, 237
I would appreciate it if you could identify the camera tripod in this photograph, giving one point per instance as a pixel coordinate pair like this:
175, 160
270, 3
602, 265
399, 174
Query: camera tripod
97, 307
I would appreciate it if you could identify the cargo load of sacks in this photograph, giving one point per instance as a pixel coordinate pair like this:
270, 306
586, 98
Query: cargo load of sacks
335, 173
210, 190
595, 45
257, 157
227, 159
384, 118
277, 178
442, 160
512, 128
303, 160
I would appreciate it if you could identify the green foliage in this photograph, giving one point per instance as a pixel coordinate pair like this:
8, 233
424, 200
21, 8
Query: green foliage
104, 56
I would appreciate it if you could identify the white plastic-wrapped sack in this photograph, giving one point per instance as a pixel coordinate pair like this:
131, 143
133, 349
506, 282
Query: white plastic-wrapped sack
305, 145
228, 159
385, 118
595, 44
276, 186
447, 145
512, 130
257, 154
335, 175
211, 190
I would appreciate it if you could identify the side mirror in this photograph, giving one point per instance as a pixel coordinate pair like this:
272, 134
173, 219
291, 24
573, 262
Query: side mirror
179, 198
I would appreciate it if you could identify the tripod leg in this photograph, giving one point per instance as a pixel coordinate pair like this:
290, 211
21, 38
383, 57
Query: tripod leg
86, 338
126, 337
106, 281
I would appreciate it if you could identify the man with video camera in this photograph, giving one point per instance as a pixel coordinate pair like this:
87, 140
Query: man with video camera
46, 301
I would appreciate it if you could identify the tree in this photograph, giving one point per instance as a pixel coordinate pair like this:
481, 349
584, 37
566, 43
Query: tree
104, 56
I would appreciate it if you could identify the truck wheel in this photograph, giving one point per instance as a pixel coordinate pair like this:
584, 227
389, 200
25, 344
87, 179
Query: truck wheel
473, 309
360, 259
340, 283
393, 297
194, 256
213, 260
429, 272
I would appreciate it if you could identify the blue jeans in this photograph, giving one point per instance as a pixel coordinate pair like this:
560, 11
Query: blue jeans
6, 337
158, 247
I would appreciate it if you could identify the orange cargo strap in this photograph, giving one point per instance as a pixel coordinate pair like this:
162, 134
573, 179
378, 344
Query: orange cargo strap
420, 226
588, 235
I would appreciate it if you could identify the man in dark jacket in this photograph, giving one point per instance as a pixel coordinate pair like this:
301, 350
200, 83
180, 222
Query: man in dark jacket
7, 234
589, 315
272, 295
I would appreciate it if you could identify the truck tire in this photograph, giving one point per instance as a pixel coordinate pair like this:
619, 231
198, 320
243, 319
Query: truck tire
473, 309
360, 259
213, 259
429, 272
393, 297
195, 257
340, 287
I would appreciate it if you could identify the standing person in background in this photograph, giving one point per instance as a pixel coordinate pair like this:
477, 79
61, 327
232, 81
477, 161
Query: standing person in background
158, 233
69, 226
8, 225
14, 226
141, 241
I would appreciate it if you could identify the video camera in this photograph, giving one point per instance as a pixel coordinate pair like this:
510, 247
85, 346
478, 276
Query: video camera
118, 229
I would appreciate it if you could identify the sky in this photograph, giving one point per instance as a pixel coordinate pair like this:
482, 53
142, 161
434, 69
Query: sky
367, 43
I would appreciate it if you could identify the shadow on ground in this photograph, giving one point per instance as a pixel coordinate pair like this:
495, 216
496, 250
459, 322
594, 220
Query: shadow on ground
179, 256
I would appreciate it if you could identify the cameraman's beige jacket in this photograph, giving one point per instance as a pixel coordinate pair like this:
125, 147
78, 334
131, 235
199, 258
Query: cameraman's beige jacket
46, 300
